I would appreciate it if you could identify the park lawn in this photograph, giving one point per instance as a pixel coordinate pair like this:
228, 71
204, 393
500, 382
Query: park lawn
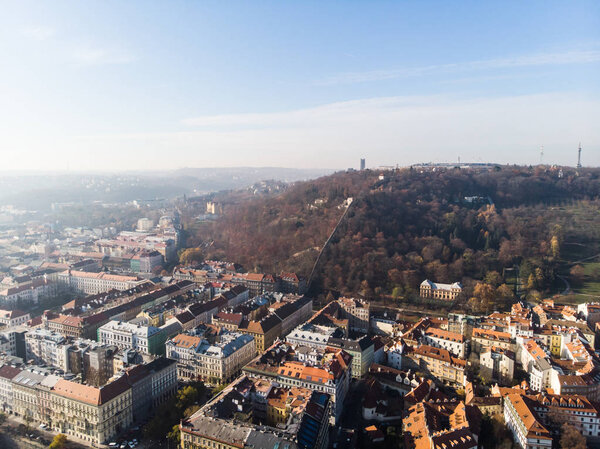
591, 283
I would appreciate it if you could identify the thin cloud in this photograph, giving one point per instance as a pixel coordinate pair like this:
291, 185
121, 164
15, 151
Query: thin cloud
387, 131
101, 56
343, 110
39, 33
541, 59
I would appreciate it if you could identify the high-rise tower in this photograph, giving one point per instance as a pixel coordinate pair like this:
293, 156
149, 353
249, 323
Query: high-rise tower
362, 164
579, 156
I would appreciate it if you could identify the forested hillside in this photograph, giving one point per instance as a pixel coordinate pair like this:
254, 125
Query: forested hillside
447, 225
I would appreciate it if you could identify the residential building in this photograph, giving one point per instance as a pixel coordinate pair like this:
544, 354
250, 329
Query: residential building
329, 371
146, 339
292, 283
297, 418
265, 331
12, 318
42, 346
152, 384
93, 283
440, 364
357, 313
96, 415
293, 313
522, 420
7, 374
29, 292
486, 338
361, 350
451, 341
497, 364
220, 361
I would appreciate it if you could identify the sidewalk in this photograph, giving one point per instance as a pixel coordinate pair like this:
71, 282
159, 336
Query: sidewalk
72, 441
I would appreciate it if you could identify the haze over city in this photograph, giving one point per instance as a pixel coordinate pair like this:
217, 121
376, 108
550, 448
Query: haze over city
151, 85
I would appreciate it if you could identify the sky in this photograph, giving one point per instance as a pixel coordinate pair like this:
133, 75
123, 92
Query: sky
113, 85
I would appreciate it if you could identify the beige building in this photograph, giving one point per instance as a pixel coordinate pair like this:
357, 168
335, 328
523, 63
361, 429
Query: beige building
357, 313
441, 364
497, 364
451, 341
220, 361
94, 283
447, 292
486, 338
93, 414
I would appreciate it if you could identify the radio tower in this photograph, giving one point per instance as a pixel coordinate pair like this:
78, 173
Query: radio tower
579, 156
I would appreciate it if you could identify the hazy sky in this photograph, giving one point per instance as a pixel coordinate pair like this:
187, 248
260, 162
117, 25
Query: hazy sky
148, 84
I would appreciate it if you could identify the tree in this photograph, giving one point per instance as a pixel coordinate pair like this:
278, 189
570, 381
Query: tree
571, 438
555, 246
28, 420
577, 274
189, 256
2, 418
531, 282
493, 278
175, 434
59, 442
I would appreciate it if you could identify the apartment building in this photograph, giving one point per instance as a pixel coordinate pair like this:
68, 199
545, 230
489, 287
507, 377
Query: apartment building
497, 364
440, 364
522, 419
361, 350
486, 338
42, 346
30, 291
451, 341
292, 283
12, 318
536, 362
93, 414
7, 374
94, 283
265, 331
151, 384
357, 313
297, 418
146, 339
220, 361
293, 313
330, 372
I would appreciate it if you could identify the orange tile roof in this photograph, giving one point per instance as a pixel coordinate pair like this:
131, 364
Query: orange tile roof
186, 341
79, 392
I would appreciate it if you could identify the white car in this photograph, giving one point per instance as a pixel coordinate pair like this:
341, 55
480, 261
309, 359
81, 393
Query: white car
43, 426
113, 444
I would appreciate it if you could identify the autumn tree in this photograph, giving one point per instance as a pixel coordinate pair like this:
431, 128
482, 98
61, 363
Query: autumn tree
58, 442
571, 438
190, 256
555, 246
577, 274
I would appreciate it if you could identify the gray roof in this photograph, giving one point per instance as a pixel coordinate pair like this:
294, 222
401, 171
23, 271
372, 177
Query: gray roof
216, 429
267, 440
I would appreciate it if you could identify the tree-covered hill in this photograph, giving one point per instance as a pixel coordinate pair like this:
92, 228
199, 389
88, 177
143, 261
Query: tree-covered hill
411, 224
